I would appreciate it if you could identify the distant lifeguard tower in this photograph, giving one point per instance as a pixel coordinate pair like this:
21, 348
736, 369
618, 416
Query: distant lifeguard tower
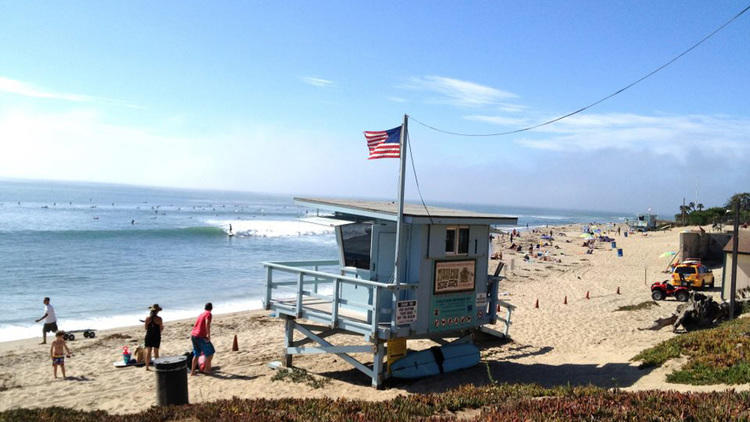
643, 222
442, 289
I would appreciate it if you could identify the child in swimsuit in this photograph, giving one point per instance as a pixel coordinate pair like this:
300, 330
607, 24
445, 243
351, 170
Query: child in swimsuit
58, 351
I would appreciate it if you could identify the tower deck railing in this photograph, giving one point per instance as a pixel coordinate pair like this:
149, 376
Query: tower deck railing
313, 290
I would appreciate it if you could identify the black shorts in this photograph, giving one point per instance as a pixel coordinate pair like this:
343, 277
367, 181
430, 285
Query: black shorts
152, 340
51, 327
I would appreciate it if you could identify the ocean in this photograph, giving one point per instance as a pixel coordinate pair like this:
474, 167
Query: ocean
105, 253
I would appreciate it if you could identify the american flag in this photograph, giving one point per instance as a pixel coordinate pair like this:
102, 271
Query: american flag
384, 143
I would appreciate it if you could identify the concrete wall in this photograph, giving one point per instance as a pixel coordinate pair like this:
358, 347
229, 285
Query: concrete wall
743, 275
705, 246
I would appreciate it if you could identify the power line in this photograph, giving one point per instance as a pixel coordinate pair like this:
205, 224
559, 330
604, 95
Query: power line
557, 119
416, 180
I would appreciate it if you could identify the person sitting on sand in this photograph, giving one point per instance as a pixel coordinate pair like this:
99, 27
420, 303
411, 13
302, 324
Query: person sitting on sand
154, 327
201, 338
58, 351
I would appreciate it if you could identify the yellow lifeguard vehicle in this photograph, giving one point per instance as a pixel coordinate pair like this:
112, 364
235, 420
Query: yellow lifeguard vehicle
692, 273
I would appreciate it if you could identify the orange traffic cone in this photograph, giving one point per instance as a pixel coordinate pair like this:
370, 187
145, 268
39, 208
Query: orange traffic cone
537, 304
587, 295
235, 347
618, 290
565, 301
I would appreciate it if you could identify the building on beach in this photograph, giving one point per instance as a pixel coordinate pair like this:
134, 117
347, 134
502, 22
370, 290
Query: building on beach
438, 289
643, 222
743, 267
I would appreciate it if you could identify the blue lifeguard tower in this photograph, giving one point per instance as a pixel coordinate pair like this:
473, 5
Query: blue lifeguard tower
440, 289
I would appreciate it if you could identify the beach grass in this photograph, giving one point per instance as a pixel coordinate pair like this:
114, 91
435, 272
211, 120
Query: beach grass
494, 402
643, 305
299, 375
715, 356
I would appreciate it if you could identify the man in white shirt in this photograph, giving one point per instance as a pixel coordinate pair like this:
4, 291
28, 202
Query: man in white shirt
50, 320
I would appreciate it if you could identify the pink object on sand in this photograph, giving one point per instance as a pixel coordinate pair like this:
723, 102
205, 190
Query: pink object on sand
202, 362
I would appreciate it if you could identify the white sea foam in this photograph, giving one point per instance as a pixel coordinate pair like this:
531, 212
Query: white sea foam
549, 217
17, 332
271, 228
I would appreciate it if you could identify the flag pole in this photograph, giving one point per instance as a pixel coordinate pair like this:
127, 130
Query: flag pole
399, 232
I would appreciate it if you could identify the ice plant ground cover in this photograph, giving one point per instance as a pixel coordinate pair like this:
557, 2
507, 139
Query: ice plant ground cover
493, 402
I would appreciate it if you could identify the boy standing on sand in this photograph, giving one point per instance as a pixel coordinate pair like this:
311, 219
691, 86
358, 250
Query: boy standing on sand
201, 337
58, 351
50, 320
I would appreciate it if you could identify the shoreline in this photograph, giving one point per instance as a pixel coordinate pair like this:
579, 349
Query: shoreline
9, 345
184, 314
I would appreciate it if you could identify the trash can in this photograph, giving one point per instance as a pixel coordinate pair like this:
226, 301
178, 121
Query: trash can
171, 380
614, 245
626, 234
619, 252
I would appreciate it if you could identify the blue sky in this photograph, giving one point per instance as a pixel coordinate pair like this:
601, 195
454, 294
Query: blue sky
273, 97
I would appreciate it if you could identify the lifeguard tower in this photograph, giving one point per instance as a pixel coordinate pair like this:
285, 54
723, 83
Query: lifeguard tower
442, 289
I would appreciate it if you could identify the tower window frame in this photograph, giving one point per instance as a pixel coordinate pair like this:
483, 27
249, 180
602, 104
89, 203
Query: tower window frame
457, 240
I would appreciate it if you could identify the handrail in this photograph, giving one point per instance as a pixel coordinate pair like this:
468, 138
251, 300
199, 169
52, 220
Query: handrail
320, 262
347, 279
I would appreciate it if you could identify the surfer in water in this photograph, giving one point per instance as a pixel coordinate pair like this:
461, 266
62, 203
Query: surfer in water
230, 230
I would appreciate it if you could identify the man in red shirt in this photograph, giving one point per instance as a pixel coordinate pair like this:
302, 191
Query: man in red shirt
201, 337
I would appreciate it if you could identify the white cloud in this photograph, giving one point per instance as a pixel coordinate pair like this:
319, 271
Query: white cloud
673, 135
458, 92
319, 82
499, 120
512, 108
13, 86
85, 145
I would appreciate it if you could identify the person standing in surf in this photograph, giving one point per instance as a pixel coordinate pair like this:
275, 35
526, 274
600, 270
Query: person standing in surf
154, 327
50, 320
201, 338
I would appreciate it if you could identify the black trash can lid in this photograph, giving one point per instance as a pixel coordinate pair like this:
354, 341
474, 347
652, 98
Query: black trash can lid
170, 362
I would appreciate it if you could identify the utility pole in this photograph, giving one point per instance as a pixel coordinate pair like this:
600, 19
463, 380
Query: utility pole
683, 210
735, 250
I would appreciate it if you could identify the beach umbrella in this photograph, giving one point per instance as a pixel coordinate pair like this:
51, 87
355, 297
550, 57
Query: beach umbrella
587, 236
667, 254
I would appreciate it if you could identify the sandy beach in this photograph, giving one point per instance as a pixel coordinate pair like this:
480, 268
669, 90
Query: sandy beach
582, 342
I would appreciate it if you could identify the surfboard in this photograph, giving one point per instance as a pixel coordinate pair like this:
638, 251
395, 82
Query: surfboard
121, 364
436, 360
